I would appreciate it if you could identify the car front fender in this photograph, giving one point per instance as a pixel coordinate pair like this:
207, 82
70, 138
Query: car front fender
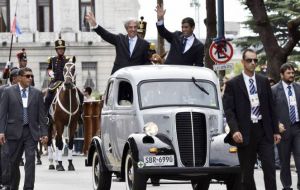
140, 144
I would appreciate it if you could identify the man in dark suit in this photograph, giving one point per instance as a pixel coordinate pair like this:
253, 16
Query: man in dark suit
185, 48
130, 49
4, 159
22, 124
286, 95
248, 107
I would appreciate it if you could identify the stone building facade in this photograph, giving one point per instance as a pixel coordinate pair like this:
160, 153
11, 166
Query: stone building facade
41, 23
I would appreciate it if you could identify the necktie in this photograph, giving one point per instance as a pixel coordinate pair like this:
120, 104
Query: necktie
25, 114
292, 107
254, 110
183, 44
130, 46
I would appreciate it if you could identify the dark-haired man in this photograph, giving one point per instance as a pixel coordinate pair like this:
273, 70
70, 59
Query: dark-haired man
22, 125
286, 94
251, 117
185, 48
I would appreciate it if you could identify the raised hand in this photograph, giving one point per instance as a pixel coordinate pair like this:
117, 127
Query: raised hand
91, 19
160, 12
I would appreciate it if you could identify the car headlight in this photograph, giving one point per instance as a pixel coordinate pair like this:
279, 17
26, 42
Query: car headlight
151, 129
213, 125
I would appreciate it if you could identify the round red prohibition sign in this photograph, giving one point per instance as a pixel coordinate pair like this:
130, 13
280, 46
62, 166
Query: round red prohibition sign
221, 53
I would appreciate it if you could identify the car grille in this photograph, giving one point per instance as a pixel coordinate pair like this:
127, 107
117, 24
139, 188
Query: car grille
191, 135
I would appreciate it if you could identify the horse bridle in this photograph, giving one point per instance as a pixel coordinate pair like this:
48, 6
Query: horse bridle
69, 73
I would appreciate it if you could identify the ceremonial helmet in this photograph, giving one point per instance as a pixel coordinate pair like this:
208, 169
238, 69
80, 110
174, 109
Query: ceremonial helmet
21, 55
60, 43
142, 27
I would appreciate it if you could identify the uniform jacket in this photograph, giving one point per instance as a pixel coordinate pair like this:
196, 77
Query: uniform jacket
121, 42
237, 107
193, 56
282, 106
57, 64
11, 113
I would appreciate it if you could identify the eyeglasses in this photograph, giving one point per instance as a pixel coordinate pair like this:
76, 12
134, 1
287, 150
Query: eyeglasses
28, 76
250, 60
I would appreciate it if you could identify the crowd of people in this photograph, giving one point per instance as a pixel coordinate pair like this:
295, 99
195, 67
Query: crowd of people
257, 114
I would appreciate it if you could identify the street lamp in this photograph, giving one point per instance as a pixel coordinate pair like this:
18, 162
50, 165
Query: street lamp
196, 5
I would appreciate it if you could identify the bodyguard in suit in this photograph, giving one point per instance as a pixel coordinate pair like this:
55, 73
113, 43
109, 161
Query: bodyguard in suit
248, 107
22, 124
185, 48
130, 49
286, 95
4, 158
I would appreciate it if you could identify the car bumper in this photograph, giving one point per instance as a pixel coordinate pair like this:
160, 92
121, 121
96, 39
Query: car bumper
190, 171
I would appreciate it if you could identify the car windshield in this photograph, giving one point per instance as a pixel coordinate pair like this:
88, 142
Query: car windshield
178, 93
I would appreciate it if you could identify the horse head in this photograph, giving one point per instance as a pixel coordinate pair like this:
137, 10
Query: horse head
69, 74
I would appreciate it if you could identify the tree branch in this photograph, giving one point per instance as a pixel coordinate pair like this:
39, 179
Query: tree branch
294, 35
268, 39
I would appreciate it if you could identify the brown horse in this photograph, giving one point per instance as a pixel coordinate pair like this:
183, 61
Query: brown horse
65, 113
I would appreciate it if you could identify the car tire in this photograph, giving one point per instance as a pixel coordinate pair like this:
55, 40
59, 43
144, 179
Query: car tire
234, 182
202, 184
133, 180
101, 177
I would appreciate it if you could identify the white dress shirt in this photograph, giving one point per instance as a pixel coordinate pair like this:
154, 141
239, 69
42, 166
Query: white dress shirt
247, 83
286, 91
24, 100
132, 42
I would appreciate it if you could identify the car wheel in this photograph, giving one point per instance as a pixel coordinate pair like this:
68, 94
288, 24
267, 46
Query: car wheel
202, 184
133, 180
234, 182
101, 178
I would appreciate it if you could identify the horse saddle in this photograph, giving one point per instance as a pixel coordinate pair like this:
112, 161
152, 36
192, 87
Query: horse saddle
53, 86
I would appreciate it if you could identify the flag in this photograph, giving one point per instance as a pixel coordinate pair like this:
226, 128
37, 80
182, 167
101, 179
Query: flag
15, 28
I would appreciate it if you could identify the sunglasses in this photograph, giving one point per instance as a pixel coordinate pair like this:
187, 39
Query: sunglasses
28, 76
250, 60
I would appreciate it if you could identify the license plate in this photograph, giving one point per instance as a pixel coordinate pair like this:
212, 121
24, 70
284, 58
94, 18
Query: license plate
163, 160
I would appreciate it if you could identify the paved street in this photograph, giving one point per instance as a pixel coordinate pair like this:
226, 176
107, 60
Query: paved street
81, 179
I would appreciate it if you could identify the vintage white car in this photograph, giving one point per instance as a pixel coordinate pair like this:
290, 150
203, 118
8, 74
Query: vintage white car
162, 122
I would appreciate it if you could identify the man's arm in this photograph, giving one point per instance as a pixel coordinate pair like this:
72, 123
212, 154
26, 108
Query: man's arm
272, 107
163, 32
42, 115
3, 114
106, 35
229, 108
200, 55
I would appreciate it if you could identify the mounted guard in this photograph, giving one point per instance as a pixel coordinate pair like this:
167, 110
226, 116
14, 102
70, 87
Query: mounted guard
55, 70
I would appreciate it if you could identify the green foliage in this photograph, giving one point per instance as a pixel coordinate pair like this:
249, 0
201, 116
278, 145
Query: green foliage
279, 13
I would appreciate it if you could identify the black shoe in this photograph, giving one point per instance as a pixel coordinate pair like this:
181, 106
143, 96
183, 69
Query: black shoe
39, 162
51, 167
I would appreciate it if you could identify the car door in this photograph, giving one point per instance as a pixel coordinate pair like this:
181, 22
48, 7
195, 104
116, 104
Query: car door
107, 121
126, 121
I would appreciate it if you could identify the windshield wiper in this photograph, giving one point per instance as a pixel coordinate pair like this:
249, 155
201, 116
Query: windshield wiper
200, 87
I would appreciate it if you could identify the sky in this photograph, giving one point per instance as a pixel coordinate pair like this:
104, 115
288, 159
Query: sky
176, 10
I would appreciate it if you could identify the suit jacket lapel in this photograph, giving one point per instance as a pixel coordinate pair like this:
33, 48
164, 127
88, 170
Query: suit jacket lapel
127, 45
18, 93
258, 84
137, 44
242, 85
30, 96
281, 92
297, 92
